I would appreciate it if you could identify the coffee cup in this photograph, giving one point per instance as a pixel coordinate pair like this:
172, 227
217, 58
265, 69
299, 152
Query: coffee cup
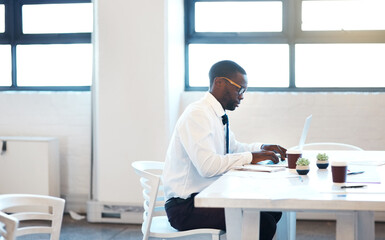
339, 170
292, 157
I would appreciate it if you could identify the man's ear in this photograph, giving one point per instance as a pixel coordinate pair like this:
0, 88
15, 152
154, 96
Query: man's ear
218, 82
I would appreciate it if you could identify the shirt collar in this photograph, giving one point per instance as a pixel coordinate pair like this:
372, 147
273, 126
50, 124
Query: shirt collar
217, 107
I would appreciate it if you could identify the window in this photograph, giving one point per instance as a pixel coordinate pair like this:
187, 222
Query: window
42, 48
2, 18
305, 45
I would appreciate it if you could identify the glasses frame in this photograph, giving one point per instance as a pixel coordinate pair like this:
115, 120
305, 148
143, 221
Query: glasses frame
241, 90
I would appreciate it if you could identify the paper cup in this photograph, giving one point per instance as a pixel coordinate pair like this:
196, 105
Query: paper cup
292, 157
339, 170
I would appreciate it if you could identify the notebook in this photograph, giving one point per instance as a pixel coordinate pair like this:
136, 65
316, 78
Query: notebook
301, 143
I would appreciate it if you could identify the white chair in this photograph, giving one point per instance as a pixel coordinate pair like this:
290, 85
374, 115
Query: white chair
329, 146
155, 222
8, 225
41, 214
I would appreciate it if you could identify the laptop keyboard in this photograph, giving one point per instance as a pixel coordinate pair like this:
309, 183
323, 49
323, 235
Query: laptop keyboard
271, 163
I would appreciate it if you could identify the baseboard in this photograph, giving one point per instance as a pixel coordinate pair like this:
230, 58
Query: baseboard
114, 213
316, 216
76, 202
378, 216
119, 213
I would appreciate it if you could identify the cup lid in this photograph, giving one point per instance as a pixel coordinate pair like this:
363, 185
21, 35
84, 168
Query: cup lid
295, 151
339, 163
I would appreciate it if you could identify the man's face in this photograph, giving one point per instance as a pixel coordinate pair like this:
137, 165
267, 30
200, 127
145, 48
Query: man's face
234, 90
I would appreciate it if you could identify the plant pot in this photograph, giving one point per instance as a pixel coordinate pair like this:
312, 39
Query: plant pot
322, 164
302, 170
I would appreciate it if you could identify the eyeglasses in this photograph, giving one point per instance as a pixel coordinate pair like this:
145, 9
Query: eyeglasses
241, 90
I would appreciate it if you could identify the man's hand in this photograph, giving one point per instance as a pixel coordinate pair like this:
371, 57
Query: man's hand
264, 155
268, 152
275, 148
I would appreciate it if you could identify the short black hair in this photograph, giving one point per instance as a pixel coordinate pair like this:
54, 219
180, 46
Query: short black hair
225, 68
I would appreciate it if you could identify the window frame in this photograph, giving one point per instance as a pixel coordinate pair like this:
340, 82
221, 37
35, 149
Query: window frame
13, 36
291, 34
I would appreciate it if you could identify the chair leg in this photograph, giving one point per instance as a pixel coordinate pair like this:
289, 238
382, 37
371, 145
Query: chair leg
215, 237
286, 228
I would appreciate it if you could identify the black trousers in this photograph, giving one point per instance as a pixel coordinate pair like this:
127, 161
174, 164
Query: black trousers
182, 215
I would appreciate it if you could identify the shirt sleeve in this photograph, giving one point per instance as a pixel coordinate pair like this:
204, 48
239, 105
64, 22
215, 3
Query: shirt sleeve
200, 139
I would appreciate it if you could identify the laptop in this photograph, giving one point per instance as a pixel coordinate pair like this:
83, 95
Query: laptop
301, 143
304, 132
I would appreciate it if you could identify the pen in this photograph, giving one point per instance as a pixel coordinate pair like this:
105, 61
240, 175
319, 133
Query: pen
354, 173
300, 178
357, 186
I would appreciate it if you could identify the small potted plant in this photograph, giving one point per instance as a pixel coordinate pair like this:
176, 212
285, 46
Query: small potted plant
302, 166
322, 161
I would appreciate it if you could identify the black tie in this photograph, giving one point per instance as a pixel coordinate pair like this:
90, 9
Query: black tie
225, 121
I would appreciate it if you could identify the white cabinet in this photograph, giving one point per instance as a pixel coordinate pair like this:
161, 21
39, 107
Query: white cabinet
29, 165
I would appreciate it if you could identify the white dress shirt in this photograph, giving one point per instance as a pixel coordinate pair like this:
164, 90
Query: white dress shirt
196, 153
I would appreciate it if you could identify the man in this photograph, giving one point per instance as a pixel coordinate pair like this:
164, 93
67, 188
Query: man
198, 153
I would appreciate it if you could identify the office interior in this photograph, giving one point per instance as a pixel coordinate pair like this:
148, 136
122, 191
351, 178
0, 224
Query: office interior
137, 96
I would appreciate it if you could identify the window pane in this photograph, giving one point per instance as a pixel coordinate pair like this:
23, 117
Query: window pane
238, 16
343, 15
57, 18
340, 65
260, 61
2, 18
5, 66
54, 65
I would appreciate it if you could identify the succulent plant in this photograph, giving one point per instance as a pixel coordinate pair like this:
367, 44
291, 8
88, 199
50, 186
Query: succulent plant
303, 162
322, 157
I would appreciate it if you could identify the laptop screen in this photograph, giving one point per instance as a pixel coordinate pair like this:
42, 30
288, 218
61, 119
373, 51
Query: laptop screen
304, 132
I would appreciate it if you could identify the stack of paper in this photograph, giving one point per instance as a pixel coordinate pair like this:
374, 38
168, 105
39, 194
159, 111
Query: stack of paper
260, 168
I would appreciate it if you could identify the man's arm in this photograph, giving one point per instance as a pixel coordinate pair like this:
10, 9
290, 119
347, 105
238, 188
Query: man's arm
203, 141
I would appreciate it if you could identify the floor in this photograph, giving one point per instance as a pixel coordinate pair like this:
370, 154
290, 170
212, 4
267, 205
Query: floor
82, 230
72, 229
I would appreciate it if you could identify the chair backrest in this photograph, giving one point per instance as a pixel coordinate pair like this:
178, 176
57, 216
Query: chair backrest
29, 208
150, 179
8, 225
329, 146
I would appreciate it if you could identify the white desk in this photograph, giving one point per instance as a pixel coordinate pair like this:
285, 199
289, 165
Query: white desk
244, 194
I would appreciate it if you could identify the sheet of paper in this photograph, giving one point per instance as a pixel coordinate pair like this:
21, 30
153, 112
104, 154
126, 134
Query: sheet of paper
368, 163
370, 175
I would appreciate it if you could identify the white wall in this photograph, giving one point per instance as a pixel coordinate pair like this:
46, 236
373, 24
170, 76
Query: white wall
134, 98
64, 115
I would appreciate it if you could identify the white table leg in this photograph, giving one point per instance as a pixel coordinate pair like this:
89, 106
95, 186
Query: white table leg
365, 225
233, 218
286, 228
250, 224
355, 225
346, 226
242, 224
